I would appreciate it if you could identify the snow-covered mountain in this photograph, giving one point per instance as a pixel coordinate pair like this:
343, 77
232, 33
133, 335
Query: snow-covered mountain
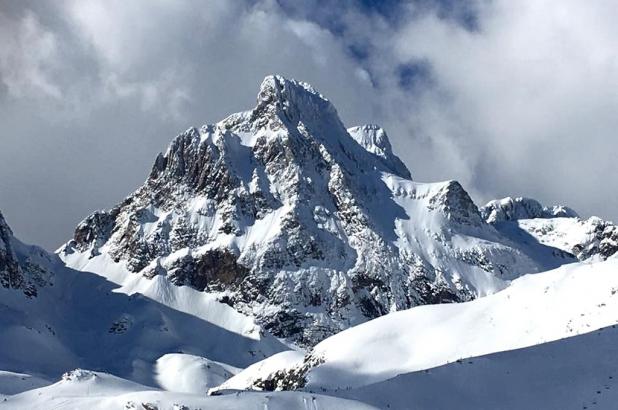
142, 354
289, 217
556, 226
572, 300
278, 250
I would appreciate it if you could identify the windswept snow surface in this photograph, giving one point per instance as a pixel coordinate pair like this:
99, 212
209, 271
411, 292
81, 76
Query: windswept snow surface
13, 383
81, 389
185, 373
577, 373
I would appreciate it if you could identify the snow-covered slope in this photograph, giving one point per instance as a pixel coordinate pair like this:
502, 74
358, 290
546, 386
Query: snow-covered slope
185, 373
289, 217
578, 373
585, 238
78, 319
13, 383
524, 220
571, 300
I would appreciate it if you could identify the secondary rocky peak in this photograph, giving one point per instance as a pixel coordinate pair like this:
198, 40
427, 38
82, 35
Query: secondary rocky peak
512, 209
373, 139
557, 226
457, 204
19, 267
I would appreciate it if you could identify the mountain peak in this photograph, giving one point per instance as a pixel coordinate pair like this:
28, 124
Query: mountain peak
292, 102
276, 88
305, 225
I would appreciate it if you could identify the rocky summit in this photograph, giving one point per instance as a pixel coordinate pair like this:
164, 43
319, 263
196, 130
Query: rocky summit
302, 224
21, 266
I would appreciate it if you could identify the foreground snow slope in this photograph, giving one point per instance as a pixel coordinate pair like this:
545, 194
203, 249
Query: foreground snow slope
570, 300
576, 373
13, 383
81, 389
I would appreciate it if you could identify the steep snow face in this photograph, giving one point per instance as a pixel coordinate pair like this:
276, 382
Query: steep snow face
290, 218
573, 299
79, 319
558, 227
373, 138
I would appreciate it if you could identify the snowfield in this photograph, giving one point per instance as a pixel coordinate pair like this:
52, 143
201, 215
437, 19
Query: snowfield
549, 338
82, 389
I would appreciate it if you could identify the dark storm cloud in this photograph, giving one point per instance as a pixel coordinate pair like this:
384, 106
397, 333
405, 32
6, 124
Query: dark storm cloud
509, 98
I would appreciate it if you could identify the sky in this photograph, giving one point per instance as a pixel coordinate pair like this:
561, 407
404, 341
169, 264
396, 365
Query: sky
511, 98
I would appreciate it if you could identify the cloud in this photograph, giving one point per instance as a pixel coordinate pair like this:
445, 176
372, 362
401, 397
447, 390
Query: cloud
508, 97
528, 99
27, 57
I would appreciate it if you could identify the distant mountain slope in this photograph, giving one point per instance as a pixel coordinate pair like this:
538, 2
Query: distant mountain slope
558, 227
78, 319
289, 217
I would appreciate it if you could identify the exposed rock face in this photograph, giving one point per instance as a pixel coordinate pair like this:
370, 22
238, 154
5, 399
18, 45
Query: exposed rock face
602, 240
20, 270
307, 226
10, 272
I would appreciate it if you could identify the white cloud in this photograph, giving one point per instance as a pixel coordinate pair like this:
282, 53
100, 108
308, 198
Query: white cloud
27, 57
526, 104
